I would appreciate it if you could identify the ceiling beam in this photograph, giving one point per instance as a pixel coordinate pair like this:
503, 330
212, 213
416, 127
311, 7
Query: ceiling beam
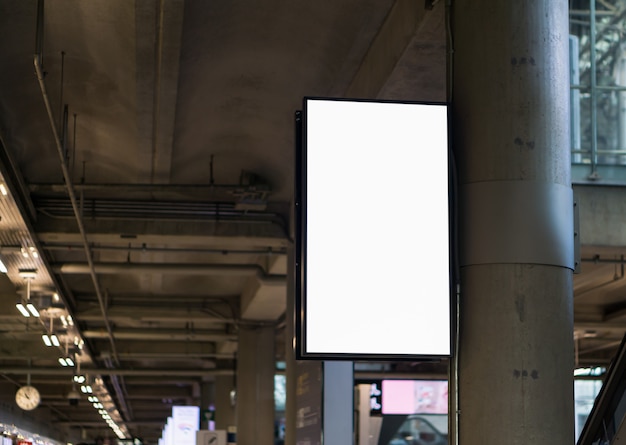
204, 233
141, 314
162, 335
151, 348
224, 270
386, 48
159, 31
600, 326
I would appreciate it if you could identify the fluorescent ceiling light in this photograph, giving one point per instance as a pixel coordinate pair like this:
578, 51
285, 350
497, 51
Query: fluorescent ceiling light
79, 378
20, 307
46, 340
55, 340
3, 189
3, 268
62, 361
33, 310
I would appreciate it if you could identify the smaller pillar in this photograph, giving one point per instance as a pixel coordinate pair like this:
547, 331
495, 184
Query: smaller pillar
224, 409
255, 386
290, 356
207, 400
338, 411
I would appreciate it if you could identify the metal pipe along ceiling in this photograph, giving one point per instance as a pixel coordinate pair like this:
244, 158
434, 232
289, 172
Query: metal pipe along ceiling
168, 268
79, 221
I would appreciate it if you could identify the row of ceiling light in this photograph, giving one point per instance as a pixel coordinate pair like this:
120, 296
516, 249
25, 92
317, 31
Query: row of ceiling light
105, 407
28, 308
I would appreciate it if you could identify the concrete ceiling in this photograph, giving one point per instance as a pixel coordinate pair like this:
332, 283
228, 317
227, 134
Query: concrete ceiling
179, 148
174, 126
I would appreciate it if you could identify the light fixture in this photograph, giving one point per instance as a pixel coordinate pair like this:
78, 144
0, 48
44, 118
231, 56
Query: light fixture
3, 268
28, 275
29, 251
86, 389
20, 307
67, 321
79, 378
66, 361
50, 340
33, 310
55, 297
3, 189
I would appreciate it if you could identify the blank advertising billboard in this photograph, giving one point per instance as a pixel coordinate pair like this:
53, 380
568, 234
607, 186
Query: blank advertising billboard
372, 216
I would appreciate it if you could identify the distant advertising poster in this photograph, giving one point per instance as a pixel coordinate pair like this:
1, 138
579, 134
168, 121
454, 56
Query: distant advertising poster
309, 403
415, 397
185, 423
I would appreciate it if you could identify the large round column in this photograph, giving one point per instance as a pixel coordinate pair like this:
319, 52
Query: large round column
510, 104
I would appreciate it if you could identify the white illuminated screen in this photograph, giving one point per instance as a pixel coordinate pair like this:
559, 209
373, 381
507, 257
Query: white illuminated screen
377, 244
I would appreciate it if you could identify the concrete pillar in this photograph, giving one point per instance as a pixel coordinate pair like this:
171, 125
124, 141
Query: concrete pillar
290, 360
338, 403
255, 386
224, 409
510, 102
207, 399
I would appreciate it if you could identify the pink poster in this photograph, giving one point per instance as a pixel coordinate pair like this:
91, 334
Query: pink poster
415, 397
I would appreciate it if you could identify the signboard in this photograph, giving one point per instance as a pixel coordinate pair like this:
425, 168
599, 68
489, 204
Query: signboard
309, 403
185, 423
216, 437
415, 397
373, 239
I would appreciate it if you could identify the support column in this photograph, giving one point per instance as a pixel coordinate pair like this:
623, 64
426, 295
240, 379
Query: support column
207, 399
510, 103
338, 403
290, 359
224, 409
255, 386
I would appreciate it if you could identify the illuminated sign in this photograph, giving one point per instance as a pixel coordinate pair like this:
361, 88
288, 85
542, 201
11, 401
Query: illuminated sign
373, 239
